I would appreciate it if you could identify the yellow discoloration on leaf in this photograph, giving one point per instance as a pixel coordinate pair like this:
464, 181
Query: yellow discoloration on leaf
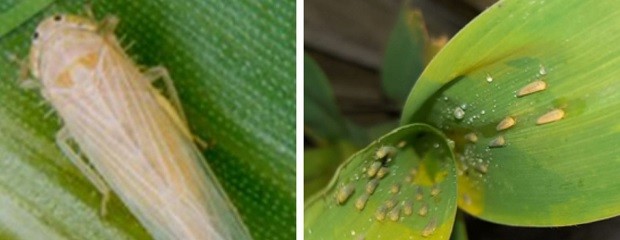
467, 187
425, 177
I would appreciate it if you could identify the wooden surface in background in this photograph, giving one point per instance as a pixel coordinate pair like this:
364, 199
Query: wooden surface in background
357, 30
347, 38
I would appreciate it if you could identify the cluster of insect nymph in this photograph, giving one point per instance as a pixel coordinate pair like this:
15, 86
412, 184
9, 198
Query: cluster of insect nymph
132, 139
377, 170
510, 121
470, 161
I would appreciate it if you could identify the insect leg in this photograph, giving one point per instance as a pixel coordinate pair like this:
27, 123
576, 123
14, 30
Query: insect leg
159, 72
108, 25
62, 140
29, 83
24, 81
155, 73
88, 9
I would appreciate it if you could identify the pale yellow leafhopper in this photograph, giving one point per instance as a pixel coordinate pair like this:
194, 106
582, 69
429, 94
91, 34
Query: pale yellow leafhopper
135, 140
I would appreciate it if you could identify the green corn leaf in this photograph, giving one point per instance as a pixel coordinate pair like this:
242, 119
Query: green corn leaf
546, 174
321, 163
15, 12
416, 196
233, 65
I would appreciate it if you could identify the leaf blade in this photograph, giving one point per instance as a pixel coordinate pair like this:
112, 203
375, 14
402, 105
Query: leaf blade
573, 157
432, 213
14, 13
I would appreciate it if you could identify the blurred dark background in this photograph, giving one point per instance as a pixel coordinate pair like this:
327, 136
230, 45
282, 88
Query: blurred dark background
347, 39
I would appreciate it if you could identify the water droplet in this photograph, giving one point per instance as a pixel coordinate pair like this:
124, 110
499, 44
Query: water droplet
374, 168
344, 193
372, 185
483, 112
395, 188
551, 116
506, 123
394, 214
497, 142
471, 137
360, 203
542, 70
489, 78
459, 113
532, 87
382, 172
430, 227
408, 207
423, 210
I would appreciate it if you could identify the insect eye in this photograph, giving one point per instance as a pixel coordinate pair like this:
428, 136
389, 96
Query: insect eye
35, 35
58, 18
